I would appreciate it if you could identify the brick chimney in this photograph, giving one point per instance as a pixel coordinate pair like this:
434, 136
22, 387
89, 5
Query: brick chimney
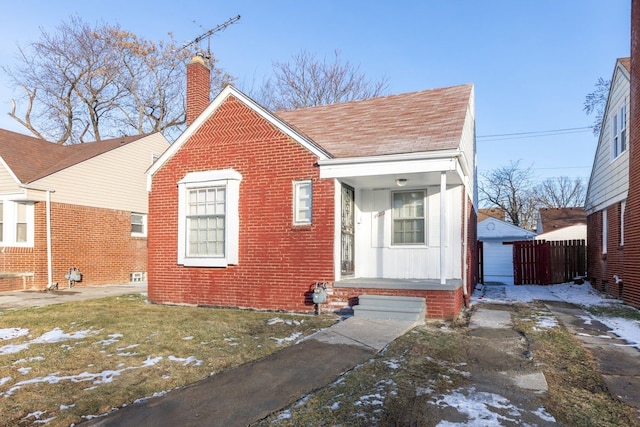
198, 87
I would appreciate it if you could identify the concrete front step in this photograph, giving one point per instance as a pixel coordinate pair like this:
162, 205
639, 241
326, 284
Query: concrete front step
390, 307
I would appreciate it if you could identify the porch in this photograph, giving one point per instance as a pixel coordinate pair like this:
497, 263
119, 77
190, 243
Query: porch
441, 300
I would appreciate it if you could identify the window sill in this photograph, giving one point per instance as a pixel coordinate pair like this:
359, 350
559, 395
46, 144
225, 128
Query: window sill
204, 262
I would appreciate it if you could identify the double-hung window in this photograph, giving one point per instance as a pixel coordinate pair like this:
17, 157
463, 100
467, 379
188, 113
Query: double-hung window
302, 202
620, 132
16, 223
208, 218
409, 217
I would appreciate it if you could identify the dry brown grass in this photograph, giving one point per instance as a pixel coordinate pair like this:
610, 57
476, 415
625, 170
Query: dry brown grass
131, 350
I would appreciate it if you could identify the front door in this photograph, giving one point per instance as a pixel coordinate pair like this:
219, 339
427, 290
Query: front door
347, 235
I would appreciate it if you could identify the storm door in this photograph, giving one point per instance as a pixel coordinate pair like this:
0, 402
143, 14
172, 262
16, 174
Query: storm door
347, 234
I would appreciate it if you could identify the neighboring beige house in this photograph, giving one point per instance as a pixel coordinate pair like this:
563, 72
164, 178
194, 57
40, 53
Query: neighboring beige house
78, 206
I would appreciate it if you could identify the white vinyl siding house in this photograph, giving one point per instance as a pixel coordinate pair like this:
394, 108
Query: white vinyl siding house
609, 180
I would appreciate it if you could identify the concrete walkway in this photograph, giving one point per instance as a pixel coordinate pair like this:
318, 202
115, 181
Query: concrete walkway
26, 299
250, 392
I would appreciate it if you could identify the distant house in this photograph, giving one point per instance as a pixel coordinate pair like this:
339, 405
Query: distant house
608, 187
78, 206
562, 224
497, 249
252, 208
498, 213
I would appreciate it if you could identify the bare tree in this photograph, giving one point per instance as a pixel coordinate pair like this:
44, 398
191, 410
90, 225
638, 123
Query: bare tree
84, 82
308, 81
511, 189
560, 192
596, 101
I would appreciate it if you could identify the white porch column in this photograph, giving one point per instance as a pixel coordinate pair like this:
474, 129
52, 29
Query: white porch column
443, 228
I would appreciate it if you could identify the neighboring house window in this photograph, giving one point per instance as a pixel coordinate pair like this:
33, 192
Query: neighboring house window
138, 224
620, 132
16, 223
409, 217
623, 206
302, 202
605, 226
208, 218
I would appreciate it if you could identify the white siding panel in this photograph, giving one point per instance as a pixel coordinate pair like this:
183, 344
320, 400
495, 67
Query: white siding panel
609, 181
113, 180
376, 257
7, 182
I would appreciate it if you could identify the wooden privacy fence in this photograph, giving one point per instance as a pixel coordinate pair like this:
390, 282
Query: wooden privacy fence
541, 262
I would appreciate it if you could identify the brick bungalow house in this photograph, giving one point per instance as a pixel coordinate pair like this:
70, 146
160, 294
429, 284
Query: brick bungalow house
631, 263
78, 206
607, 191
250, 208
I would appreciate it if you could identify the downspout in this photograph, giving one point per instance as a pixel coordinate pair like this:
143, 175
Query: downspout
465, 246
48, 220
443, 229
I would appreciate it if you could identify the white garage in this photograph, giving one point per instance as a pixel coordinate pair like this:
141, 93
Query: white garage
498, 256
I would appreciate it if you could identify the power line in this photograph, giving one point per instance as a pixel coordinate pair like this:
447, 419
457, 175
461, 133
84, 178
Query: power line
533, 134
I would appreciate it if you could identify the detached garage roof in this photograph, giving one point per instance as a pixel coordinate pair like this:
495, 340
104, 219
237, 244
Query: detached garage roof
492, 228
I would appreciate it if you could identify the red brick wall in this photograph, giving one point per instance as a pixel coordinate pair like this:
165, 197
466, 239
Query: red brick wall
278, 263
471, 254
632, 215
97, 241
602, 267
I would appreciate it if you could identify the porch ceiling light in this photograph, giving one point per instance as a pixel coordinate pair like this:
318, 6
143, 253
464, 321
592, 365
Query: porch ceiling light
401, 182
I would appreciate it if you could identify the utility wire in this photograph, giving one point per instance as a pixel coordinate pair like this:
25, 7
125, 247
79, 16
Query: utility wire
535, 134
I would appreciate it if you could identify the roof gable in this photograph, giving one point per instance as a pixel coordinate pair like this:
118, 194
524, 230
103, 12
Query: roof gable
608, 181
414, 122
45, 158
229, 90
492, 228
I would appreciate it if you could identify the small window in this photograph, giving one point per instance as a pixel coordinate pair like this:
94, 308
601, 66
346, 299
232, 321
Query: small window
21, 222
1, 222
409, 217
623, 207
605, 227
138, 224
620, 132
302, 199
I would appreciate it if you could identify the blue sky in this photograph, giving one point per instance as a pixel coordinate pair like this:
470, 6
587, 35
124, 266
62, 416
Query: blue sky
532, 62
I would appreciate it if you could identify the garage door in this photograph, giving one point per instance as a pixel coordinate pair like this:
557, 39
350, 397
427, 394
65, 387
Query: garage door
498, 262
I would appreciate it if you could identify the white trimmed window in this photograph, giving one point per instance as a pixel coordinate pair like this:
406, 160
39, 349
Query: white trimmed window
208, 218
620, 132
302, 198
605, 229
409, 217
16, 223
138, 225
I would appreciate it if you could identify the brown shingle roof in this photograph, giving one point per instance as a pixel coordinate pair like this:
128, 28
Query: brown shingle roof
33, 158
557, 218
407, 123
626, 63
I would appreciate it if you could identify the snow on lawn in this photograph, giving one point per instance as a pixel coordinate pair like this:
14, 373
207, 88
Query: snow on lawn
583, 295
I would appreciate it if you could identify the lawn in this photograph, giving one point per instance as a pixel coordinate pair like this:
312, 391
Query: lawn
65, 363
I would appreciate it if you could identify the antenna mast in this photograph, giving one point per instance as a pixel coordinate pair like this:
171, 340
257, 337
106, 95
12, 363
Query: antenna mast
208, 35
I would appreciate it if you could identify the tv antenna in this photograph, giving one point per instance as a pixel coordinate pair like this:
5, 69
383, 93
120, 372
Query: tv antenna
207, 35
